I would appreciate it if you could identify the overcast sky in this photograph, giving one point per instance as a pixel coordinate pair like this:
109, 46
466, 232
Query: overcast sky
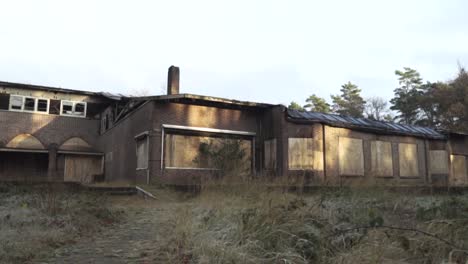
267, 51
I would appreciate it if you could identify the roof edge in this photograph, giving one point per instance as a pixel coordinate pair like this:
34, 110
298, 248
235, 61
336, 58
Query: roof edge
204, 98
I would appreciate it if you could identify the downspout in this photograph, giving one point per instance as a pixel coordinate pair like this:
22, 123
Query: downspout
162, 149
324, 154
428, 176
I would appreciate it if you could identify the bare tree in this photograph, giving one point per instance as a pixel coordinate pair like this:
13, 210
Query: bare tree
377, 109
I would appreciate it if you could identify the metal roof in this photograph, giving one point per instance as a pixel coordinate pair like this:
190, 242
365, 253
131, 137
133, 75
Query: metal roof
366, 124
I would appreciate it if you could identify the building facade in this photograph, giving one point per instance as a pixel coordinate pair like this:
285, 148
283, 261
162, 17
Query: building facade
54, 134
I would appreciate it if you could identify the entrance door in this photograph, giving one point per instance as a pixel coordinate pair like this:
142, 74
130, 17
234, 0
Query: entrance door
81, 168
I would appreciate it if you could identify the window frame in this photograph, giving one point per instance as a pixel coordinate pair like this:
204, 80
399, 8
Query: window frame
23, 101
73, 103
48, 105
10, 103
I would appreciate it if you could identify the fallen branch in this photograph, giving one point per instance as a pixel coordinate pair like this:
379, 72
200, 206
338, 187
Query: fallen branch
340, 232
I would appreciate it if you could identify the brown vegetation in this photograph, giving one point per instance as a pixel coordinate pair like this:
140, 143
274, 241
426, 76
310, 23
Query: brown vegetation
252, 224
35, 220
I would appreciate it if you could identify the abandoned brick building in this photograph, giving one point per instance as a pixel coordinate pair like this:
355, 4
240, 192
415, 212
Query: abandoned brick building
55, 134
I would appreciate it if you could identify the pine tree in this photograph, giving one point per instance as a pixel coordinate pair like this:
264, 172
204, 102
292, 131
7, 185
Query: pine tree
406, 96
349, 102
317, 104
295, 106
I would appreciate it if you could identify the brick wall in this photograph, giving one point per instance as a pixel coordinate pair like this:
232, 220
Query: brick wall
119, 145
48, 129
196, 116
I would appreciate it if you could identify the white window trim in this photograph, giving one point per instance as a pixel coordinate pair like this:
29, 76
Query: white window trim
37, 105
36, 101
22, 103
73, 108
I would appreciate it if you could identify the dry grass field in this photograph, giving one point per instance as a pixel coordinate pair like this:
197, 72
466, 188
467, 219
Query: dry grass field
244, 223
36, 220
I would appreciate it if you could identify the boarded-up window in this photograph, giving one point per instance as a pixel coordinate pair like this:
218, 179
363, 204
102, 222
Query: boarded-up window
300, 153
381, 158
459, 175
270, 154
408, 157
203, 152
142, 152
438, 161
351, 156
54, 108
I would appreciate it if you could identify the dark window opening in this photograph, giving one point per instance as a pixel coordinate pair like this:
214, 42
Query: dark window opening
107, 122
67, 108
79, 108
4, 101
29, 104
42, 105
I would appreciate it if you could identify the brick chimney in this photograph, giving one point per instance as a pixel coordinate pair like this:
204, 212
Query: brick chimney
173, 75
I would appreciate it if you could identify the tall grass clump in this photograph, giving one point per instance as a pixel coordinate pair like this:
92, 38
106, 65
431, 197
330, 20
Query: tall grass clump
250, 223
239, 219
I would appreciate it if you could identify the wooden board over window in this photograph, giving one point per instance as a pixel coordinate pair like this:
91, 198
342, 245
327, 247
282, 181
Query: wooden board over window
351, 156
300, 153
270, 154
459, 175
381, 158
439, 162
142, 153
81, 168
408, 157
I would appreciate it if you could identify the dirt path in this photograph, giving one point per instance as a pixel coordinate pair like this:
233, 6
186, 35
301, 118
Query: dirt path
147, 228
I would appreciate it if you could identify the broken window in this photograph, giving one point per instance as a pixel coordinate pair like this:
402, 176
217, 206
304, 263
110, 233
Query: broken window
16, 102
67, 108
70, 108
79, 108
42, 105
350, 156
270, 154
142, 152
29, 104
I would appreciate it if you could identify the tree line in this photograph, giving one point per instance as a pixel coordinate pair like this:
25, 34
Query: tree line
439, 104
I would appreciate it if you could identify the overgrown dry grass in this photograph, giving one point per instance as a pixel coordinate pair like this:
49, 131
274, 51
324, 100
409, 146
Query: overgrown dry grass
249, 223
34, 220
